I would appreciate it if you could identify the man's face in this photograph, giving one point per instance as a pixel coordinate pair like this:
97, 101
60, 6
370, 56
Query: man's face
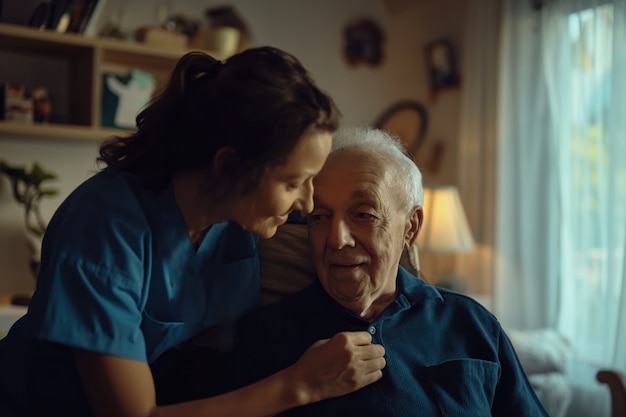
358, 229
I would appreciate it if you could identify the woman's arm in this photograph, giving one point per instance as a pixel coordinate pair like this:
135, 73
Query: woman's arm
125, 387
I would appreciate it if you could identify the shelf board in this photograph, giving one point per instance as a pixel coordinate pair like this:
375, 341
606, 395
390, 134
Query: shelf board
22, 38
57, 132
88, 59
26, 39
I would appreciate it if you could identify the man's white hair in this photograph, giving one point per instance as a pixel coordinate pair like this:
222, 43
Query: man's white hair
382, 143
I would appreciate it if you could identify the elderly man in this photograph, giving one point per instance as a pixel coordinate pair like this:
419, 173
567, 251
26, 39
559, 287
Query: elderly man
446, 355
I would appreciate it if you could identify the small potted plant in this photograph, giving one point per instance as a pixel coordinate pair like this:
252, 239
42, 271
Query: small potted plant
28, 190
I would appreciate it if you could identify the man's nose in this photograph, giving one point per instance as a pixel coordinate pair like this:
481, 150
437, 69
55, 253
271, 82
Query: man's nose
339, 235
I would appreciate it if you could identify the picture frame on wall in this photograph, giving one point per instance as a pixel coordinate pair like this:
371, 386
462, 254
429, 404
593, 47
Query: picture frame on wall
441, 65
363, 43
407, 120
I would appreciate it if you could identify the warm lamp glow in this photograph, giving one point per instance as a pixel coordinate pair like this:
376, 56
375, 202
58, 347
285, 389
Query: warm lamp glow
445, 228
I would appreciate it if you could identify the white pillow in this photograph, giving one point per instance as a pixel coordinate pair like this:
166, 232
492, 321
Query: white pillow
541, 350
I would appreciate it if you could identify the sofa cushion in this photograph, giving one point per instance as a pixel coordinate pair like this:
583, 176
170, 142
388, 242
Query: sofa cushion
554, 391
540, 350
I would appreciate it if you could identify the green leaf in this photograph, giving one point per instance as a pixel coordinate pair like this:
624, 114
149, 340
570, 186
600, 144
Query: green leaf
13, 173
51, 192
27, 191
38, 175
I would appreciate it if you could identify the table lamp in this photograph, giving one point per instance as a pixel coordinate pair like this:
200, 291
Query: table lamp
445, 229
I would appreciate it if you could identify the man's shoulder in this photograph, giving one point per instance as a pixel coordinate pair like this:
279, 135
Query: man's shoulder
419, 288
469, 311
445, 303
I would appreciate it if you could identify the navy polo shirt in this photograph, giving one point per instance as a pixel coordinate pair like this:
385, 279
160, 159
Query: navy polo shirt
446, 354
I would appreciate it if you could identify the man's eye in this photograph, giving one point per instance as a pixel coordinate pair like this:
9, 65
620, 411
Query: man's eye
364, 216
291, 187
316, 217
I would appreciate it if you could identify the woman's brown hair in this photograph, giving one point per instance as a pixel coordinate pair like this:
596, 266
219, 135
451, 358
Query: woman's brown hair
258, 102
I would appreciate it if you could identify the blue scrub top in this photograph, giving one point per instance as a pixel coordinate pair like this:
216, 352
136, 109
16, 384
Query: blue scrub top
120, 276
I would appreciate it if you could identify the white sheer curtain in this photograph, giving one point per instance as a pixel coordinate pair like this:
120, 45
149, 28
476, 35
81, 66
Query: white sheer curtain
478, 140
561, 195
526, 280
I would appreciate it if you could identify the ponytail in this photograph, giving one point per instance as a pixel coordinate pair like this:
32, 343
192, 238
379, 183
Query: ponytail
162, 120
258, 103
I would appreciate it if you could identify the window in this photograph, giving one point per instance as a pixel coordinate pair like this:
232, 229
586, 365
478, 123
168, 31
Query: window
592, 177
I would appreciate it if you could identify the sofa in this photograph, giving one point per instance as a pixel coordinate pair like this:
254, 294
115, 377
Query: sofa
544, 354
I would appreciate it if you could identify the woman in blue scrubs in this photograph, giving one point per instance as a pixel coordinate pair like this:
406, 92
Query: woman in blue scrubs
159, 249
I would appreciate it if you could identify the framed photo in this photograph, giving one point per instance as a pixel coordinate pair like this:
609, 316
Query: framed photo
441, 65
363, 43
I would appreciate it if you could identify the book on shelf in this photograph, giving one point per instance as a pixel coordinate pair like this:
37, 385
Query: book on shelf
80, 14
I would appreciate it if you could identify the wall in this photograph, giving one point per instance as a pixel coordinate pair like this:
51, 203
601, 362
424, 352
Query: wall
312, 30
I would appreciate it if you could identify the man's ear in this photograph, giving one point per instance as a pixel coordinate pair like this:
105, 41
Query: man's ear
413, 226
225, 161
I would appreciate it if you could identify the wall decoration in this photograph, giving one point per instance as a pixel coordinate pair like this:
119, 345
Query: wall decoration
441, 65
123, 96
408, 120
363, 43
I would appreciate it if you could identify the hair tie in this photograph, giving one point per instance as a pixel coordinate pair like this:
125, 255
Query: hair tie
210, 74
217, 67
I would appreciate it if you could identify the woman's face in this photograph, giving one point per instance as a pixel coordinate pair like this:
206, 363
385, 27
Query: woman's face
284, 188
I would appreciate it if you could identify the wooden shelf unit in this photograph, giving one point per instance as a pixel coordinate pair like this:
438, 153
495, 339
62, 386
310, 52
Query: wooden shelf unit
84, 61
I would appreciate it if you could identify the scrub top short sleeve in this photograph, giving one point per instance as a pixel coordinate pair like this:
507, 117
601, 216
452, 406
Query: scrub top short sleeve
120, 276
90, 287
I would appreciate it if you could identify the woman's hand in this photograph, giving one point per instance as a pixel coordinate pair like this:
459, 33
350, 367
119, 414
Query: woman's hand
329, 368
337, 366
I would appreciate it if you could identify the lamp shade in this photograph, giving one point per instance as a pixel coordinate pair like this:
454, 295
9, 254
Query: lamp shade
445, 227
